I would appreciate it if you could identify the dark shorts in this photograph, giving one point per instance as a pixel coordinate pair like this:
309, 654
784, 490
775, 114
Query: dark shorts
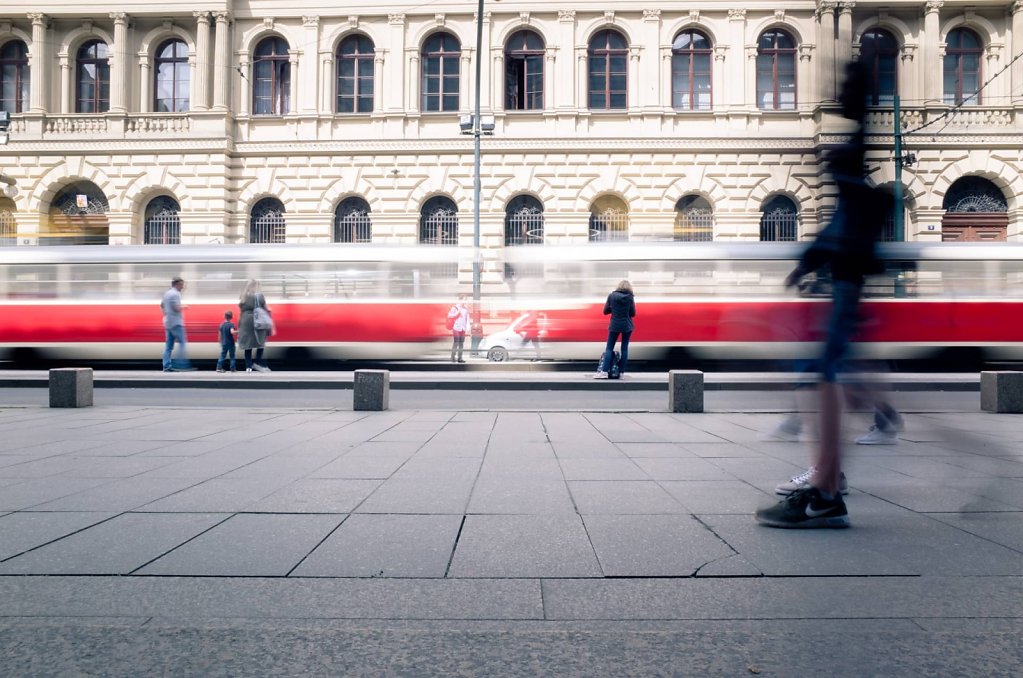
842, 322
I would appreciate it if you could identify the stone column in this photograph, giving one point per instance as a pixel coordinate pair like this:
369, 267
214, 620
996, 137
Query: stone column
581, 77
932, 52
293, 106
1016, 73
717, 77
549, 66
735, 90
201, 89
650, 93
221, 62
466, 82
65, 83
39, 64
826, 39
412, 54
394, 70
145, 83
632, 89
119, 67
500, 86
308, 76
244, 78
667, 100
328, 100
844, 53
379, 63
566, 72
804, 81
488, 75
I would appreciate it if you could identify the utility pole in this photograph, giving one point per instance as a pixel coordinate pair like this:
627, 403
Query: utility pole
900, 233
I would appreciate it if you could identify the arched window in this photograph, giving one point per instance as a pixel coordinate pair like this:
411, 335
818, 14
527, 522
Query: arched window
975, 210
351, 221
694, 220
690, 71
609, 219
171, 74
963, 53
162, 222
609, 80
523, 72
438, 222
92, 85
14, 77
441, 56
776, 71
355, 56
8, 229
78, 216
266, 222
271, 72
879, 52
523, 221
779, 220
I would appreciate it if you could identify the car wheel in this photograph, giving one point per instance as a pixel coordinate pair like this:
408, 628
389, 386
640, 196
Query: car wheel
498, 354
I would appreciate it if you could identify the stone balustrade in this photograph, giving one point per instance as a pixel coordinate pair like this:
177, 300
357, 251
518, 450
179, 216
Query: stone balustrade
76, 124
158, 124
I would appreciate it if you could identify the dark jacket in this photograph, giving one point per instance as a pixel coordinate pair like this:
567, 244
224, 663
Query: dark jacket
621, 306
227, 333
248, 336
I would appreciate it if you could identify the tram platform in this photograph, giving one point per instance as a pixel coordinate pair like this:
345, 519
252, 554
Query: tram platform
484, 379
148, 539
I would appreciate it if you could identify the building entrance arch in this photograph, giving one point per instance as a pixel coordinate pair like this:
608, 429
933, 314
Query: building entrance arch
78, 216
975, 211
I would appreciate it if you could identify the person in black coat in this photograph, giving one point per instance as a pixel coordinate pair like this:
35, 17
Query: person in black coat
621, 306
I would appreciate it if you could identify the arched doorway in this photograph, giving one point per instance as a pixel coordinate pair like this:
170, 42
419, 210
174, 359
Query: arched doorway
975, 210
779, 220
694, 219
8, 227
78, 216
609, 219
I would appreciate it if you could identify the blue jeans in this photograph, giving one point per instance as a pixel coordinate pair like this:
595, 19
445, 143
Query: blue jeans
842, 321
259, 358
612, 337
225, 351
175, 334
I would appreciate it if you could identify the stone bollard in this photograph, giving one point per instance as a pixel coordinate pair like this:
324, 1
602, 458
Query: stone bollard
71, 387
372, 389
685, 391
1001, 392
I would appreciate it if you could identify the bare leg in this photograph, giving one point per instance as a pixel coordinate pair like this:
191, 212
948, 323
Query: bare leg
828, 453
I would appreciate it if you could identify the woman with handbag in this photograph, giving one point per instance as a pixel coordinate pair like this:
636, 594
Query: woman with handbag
255, 324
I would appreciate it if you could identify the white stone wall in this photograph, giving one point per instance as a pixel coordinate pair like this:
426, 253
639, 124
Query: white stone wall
218, 159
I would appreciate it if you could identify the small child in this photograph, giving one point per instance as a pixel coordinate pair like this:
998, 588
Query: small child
227, 334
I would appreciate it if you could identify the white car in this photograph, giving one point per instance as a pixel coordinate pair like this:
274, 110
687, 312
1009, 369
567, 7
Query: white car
507, 343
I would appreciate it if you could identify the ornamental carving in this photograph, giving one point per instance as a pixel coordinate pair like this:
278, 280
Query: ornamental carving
566, 15
654, 14
737, 15
396, 19
932, 6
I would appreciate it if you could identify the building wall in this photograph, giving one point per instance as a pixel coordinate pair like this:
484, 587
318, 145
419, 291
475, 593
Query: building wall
218, 159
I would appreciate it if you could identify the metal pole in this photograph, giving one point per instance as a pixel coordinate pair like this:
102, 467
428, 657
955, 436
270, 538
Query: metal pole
476, 132
899, 228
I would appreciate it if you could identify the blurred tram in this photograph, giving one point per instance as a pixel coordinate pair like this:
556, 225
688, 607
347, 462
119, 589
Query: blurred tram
703, 300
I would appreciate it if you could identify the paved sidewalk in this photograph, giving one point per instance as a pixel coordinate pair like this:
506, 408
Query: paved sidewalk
141, 539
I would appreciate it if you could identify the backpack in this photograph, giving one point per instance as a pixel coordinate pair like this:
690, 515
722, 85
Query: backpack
614, 369
450, 322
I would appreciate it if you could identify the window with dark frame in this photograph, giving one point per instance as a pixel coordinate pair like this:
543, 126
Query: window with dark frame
962, 68
14, 77
171, 76
880, 53
92, 82
162, 222
776, 71
266, 222
691, 59
271, 73
441, 58
355, 62
523, 72
779, 220
608, 71
523, 221
438, 222
694, 219
352, 222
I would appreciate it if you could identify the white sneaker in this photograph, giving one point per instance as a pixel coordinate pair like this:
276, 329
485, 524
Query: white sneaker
802, 481
877, 437
785, 432
600, 375
261, 368
248, 369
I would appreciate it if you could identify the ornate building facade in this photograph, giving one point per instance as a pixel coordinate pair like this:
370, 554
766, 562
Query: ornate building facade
280, 121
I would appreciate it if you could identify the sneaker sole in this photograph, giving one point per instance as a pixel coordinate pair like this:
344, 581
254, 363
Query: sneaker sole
843, 491
836, 523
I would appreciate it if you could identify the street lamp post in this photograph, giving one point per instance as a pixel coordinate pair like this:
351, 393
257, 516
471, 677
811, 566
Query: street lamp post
476, 133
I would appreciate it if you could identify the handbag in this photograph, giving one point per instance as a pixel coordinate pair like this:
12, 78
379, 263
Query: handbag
262, 320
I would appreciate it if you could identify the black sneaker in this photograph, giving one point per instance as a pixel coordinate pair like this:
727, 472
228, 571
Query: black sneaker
805, 508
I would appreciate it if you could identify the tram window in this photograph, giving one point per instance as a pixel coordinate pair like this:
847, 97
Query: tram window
32, 282
93, 281
152, 280
216, 280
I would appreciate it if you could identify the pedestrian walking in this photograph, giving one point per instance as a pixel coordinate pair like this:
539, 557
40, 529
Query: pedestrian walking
847, 246
174, 325
252, 335
227, 335
458, 323
621, 306
529, 330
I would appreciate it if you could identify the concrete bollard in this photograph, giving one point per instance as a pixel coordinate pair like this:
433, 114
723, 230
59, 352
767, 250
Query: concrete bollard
685, 391
71, 387
371, 390
1001, 392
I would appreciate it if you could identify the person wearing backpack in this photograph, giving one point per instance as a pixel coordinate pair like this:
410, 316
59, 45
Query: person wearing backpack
458, 323
252, 335
621, 306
